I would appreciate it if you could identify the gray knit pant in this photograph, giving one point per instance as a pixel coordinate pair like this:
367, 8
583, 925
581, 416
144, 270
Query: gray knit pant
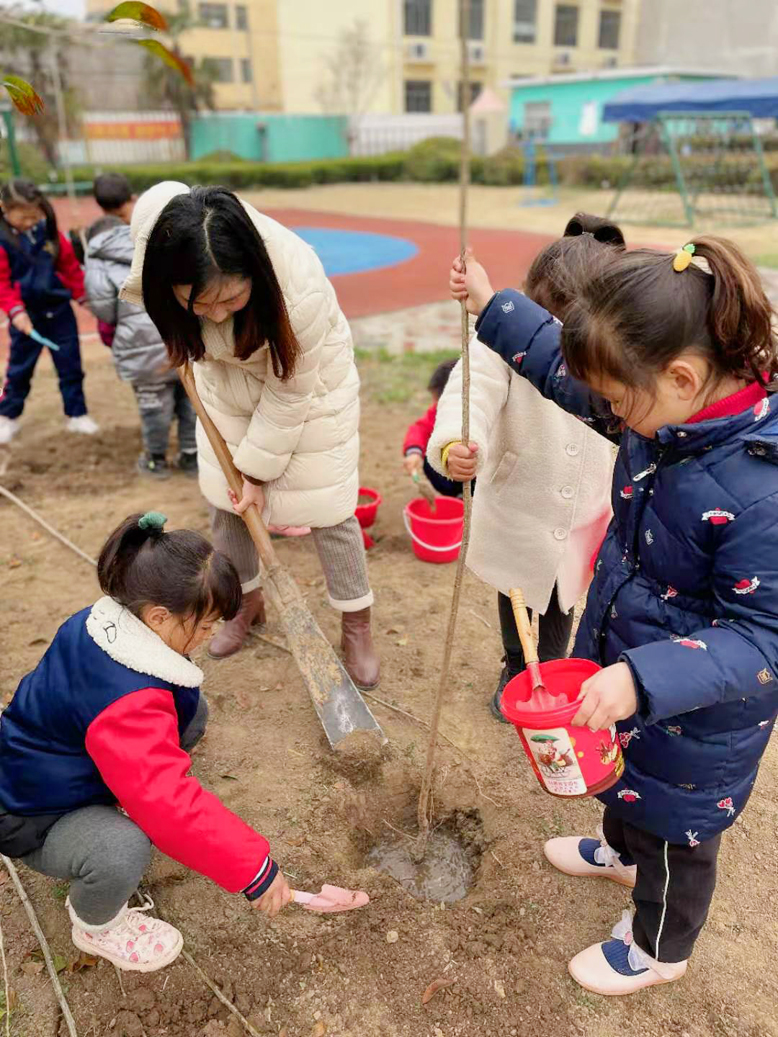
102, 852
158, 404
340, 548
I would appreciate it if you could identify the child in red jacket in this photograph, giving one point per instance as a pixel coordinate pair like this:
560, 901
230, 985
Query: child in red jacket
39, 276
416, 438
107, 719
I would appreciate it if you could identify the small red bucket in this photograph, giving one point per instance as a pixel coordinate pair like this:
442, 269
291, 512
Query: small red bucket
366, 513
568, 761
436, 535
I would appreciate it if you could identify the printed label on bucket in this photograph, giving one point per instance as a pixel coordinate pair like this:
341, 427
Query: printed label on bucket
557, 763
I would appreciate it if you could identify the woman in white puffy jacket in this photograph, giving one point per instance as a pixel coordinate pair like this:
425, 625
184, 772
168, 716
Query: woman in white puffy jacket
248, 302
543, 499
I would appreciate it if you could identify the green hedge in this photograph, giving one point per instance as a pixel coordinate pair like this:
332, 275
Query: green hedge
431, 161
241, 174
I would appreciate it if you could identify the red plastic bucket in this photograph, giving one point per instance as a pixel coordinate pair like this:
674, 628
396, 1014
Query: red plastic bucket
366, 513
436, 535
567, 761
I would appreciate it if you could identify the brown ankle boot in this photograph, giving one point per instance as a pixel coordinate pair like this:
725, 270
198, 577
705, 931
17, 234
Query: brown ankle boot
359, 655
232, 636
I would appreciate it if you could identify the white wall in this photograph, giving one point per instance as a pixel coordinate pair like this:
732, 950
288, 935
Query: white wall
738, 36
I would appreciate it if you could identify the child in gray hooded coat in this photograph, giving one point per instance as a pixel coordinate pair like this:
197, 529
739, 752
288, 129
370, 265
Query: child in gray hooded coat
138, 351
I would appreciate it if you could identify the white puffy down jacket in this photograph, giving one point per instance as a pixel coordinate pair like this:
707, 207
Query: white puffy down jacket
301, 436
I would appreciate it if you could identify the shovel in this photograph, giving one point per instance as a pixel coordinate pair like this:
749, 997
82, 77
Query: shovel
331, 899
338, 704
425, 490
525, 636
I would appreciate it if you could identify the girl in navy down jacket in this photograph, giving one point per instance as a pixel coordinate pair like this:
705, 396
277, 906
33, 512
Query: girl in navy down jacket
39, 276
670, 356
107, 720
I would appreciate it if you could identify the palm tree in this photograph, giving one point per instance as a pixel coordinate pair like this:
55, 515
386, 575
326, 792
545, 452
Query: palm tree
32, 54
166, 85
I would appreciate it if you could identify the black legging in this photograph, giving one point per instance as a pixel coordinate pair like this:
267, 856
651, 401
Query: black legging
555, 629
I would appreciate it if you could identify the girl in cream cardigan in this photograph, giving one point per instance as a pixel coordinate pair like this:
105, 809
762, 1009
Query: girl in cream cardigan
542, 505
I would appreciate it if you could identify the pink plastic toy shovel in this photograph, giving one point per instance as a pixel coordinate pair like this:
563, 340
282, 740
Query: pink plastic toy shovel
330, 899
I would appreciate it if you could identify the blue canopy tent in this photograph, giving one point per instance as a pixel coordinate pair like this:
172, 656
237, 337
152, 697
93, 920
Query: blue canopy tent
699, 138
755, 97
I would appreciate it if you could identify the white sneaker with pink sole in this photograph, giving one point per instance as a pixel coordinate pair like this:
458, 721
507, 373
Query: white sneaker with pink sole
134, 940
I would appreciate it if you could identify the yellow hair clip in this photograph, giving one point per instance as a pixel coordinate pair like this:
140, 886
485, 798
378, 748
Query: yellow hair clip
683, 257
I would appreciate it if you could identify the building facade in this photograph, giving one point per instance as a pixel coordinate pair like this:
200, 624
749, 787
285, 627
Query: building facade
394, 56
566, 110
740, 36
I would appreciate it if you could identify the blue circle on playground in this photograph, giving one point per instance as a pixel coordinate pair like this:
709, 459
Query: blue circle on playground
354, 251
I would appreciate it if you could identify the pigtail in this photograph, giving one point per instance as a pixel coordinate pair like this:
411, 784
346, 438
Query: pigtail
120, 555
140, 564
52, 230
740, 316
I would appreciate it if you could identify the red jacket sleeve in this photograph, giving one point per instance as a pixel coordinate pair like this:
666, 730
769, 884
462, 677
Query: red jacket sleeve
418, 435
69, 269
10, 296
135, 746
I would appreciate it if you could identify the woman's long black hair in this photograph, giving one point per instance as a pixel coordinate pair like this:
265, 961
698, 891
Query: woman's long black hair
203, 234
25, 192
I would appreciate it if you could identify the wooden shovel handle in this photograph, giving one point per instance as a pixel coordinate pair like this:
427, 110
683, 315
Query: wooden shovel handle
251, 516
524, 626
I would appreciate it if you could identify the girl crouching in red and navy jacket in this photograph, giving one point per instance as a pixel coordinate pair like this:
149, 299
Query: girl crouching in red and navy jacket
39, 276
107, 720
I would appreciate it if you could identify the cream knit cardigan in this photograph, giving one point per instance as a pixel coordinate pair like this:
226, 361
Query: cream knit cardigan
301, 436
542, 501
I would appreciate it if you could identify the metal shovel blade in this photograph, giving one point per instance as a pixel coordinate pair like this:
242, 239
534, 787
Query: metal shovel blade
331, 899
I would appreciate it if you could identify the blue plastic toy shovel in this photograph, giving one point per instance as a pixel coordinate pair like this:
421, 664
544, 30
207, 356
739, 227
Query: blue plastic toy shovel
43, 341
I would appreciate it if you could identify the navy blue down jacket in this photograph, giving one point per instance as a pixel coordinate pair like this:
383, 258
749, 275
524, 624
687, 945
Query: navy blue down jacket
685, 590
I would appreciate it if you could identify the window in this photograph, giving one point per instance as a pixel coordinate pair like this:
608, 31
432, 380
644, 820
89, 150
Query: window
524, 18
245, 70
222, 69
418, 17
566, 26
537, 119
475, 30
475, 90
241, 18
610, 27
214, 16
418, 95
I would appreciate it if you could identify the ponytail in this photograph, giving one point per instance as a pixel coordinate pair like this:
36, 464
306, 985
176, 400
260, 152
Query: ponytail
25, 192
601, 229
556, 274
140, 564
740, 315
636, 313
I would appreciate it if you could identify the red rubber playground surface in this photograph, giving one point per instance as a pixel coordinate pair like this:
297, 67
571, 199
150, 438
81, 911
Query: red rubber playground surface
423, 278
418, 280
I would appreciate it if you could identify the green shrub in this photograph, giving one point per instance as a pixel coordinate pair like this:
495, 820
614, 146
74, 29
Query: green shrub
435, 160
34, 165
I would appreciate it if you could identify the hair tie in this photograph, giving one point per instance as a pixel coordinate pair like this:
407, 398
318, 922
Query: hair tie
683, 257
152, 520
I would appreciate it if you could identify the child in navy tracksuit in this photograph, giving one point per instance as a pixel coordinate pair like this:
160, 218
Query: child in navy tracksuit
670, 356
105, 721
39, 275
415, 462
